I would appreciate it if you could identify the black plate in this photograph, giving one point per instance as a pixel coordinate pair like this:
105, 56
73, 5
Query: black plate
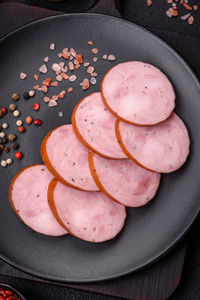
150, 231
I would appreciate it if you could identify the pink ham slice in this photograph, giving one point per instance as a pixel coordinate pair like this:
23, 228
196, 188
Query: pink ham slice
90, 216
28, 198
138, 93
162, 148
123, 180
95, 127
67, 159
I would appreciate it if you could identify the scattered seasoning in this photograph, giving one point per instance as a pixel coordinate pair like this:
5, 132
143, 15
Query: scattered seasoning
111, 57
4, 110
4, 140
71, 66
59, 77
52, 46
1, 114
190, 20
12, 107
149, 2
12, 137
36, 106
15, 96
2, 134
72, 78
1, 147
64, 76
43, 69
18, 155
195, 7
15, 146
21, 129
9, 161
5, 126
3, 163
31, 93
52, 102
93, 80
19, 123
47, 82
79, 58
22, 75
70, 90
105, 56
46, 59
90, 69
60, 114
86, 64
29, 120
16, 113
90, 43
62, 94
95, 50
36, 76
37, 122
46, 99
26, 96
6, 149
86, 84
55, 83
95, 59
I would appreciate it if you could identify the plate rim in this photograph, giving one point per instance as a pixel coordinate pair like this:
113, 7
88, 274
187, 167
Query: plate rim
180, 236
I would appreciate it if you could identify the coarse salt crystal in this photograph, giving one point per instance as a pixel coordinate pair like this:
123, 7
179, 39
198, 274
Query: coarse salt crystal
52, 103
46, 59
52, 46
111, 57
72, 78
86, 64
43, 69
71, 66
59, 78
93, 80
60, 114
95, 59
90, 69
169, 13
95, 50
185, 17
105, 56
46, 99
56, 67
22, 75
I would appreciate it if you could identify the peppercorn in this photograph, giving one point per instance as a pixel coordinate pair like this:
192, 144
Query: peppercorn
18, 155
19, 123
15, 146
11, 137
26, 96
2, 134
31, 93
6, 149
3, 163
37, 122
4, 110
16, 113
1, 147
36, 106
15, 96
1, 114
21, 129
12, 107
5, 125
9, 161
4, 140
29, 120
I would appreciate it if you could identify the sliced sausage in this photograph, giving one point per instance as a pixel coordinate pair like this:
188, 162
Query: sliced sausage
94, 125
123, 180
138, 93
28, 198
162, 148
90, 216
67, 159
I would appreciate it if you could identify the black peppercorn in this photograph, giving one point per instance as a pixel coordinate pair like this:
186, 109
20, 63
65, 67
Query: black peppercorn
26, 96
4, 140
6, 149
15, 146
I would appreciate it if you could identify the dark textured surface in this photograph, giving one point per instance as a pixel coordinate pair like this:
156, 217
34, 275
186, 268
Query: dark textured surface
189, 288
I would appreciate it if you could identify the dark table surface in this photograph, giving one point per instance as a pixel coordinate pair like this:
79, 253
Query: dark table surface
185, 39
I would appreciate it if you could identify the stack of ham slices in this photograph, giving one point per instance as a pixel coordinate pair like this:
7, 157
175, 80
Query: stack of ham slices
110, 157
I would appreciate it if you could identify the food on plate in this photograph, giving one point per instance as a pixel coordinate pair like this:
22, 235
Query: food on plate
138, 93
28, 198
67, 159
90, 216
123, 180
161, 148
94, 125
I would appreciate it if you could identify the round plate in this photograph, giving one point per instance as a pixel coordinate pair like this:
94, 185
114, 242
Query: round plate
149, 231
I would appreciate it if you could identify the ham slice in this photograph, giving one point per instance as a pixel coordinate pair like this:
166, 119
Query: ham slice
28, 198
162, 148
138, 93
67, 159
94, 125
123, 180
90, 216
